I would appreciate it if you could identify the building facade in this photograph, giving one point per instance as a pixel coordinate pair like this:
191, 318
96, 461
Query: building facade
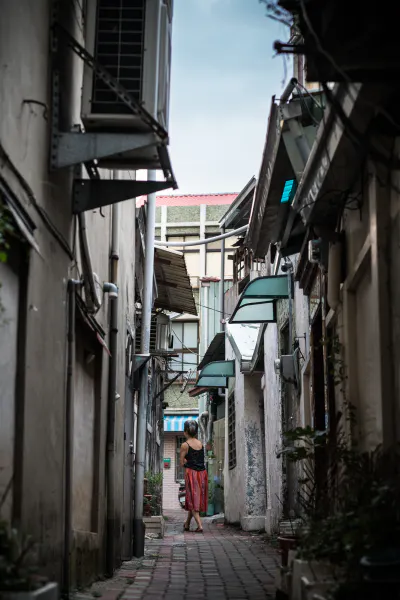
188, 219
67, 276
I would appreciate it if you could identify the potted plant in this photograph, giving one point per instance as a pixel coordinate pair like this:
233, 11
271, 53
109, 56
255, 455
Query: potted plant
19, 580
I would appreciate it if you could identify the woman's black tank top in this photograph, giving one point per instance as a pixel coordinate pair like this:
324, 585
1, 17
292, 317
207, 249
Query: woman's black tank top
195, 459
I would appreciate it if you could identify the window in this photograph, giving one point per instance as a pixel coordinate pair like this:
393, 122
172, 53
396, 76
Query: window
179, 471
231, 432
186, 346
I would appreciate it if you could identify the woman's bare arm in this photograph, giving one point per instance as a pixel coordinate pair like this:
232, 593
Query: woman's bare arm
182, 454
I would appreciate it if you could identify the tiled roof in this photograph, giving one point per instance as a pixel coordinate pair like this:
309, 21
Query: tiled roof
191, 200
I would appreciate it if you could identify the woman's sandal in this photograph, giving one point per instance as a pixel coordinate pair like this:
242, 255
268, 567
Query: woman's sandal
185, 527
198, 530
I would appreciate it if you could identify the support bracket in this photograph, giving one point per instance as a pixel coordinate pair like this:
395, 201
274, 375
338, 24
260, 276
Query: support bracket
89, 194
77, 147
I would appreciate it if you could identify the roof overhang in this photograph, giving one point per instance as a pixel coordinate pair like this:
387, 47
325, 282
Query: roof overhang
215, 351
336, 159
238, 213
197, 391
174, 291
283, 161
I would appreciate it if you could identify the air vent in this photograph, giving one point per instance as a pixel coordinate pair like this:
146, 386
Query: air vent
131, 39
119, 49
153, 334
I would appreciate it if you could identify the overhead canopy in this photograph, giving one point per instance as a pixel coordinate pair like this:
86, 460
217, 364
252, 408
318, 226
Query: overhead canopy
282, 163
173, 283
177, 422
216, 374
257, 301
238, 213
215, 351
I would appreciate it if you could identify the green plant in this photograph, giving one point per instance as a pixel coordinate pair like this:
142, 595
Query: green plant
16, 574
154, 489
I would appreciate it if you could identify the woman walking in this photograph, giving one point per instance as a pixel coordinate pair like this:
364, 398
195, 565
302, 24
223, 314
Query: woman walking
196, 480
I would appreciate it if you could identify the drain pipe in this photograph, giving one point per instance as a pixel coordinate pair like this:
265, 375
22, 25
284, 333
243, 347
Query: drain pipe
72, 287
112, 388
147, 303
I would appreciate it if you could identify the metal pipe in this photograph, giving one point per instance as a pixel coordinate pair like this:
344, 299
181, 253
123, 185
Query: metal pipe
112, 388
147, 303
216, 238
73, 284
205, 321
222, 283
287, 92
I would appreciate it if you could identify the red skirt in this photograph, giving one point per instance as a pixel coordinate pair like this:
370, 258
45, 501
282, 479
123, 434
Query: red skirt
196, 483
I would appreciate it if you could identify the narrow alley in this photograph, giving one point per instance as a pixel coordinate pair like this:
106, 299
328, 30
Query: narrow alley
223, 563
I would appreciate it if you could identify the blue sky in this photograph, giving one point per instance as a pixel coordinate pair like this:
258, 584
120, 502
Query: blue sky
223, 76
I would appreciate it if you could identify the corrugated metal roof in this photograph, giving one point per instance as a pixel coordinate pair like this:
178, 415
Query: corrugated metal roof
191, 200
173, 283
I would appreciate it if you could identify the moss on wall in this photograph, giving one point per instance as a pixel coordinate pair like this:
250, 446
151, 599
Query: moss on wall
214, 213
177, 400
177, 214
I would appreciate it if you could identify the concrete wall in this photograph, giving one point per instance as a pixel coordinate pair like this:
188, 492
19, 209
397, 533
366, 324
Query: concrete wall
273, 430
244, 485
38, 502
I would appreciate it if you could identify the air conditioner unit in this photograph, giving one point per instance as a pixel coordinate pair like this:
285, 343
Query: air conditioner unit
163, 332
285, 367
131, 39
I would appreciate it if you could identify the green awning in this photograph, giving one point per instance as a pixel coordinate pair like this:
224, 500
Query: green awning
216, 374
257, 301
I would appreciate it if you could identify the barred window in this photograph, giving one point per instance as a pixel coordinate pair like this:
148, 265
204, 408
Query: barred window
231, 432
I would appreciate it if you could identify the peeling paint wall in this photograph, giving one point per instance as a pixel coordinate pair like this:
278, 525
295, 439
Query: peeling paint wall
273, 430
244, 486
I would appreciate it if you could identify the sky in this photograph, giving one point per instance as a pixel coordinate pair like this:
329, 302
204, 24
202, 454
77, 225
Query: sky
224, 74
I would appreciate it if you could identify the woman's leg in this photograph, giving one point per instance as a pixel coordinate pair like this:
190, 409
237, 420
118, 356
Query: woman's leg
196, 515
189, 519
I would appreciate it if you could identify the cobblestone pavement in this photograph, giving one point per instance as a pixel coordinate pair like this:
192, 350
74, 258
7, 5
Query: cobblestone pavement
222, 563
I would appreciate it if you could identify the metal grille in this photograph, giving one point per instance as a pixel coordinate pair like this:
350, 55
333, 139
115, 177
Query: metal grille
153, 334
231, 432
119, 49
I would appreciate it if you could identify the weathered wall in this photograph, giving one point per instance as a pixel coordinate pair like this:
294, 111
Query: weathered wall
9, 292
273, 430
25, 137
244, 486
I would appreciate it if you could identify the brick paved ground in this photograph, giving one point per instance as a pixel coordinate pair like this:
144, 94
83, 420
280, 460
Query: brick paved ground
222, 563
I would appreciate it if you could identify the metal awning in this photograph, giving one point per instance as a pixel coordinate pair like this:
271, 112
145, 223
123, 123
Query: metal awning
175, 292
215, 351
282, 163
176, 422
257, 301
216, 374
238, 214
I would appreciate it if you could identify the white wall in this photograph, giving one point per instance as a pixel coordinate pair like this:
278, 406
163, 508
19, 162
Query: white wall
273, 429
244, 486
